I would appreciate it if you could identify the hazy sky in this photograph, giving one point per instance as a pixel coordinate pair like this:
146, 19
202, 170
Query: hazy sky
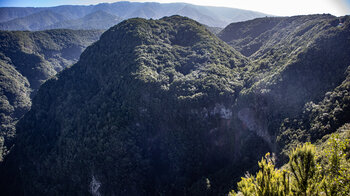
275, 7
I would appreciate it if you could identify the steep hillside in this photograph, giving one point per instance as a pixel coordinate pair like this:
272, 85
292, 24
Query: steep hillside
318, 119
33, 18
146, 110
255, 37
243, 35
27, 59
14, 101
95, 20
164, 107
297, 61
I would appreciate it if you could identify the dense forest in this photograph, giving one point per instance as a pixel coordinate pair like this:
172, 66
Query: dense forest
165, 107
27, 60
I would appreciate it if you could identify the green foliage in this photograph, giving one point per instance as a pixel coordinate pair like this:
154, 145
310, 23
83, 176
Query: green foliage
156, 107
336, 169
318, 119
2, 149
267, 182
321, 170
245, 36
303, 169
135, 113
297, 85
27, 59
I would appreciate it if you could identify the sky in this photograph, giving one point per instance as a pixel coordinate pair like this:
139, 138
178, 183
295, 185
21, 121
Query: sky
274, 7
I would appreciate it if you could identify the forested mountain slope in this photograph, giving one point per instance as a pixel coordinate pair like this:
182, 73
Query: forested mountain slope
27, 59
165, 107
297, 61
146, 110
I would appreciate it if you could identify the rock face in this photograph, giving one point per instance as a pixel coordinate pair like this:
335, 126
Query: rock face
28, 59
165, 107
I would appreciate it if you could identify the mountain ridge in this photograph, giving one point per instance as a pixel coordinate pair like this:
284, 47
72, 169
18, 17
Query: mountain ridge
128, 77
34, 21
95, 20
164, 106
212, 16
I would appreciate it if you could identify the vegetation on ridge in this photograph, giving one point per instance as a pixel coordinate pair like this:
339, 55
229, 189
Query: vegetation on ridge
298, 61
325, 171
165, 107
134, 113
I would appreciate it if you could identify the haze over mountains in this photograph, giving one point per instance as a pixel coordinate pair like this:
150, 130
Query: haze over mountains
105, 15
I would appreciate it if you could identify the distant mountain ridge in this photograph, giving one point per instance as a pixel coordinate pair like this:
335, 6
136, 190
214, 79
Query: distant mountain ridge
96, 20
13, 18
36, 21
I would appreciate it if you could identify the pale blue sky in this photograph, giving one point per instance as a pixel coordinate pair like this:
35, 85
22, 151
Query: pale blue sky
275, 7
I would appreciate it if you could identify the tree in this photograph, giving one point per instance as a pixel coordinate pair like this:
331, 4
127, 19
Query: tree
303, 169
336, 170
268, 181
304, 175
